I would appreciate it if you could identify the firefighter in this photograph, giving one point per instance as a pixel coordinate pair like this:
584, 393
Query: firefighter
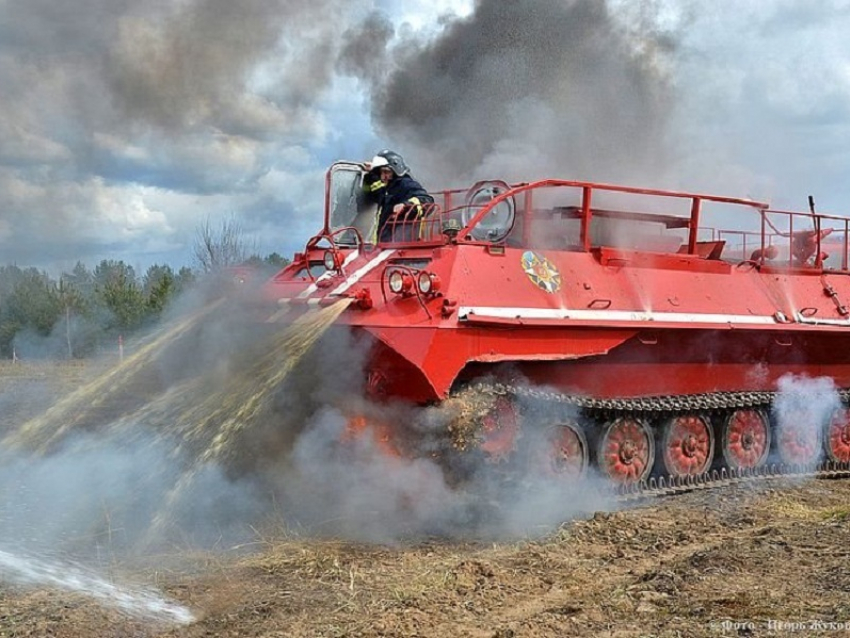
399, 197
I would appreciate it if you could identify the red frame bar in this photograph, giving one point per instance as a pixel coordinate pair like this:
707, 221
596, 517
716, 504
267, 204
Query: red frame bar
586, 212
587, 195
696, 204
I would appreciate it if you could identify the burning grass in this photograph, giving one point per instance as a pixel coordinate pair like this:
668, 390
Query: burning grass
465, 412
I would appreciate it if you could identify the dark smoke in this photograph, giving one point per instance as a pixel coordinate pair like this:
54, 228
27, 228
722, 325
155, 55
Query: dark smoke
528, 88
363, 52
115, 114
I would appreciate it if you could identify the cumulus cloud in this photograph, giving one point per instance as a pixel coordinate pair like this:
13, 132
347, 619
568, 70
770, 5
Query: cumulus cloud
108, 102
196, 107
766, 98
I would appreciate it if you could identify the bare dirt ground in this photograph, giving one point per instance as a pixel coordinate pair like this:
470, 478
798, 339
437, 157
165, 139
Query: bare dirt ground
768, 558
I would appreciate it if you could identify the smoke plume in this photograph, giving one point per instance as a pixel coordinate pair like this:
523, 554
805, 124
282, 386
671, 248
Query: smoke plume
802, 408
528, 88
118, 117
119, 121
212, 427
367, 489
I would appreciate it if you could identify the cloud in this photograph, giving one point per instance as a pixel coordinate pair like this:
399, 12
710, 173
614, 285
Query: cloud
106, 104
204, 107
765, 98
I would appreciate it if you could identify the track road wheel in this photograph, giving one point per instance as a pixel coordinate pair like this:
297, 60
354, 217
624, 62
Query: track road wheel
687, 445
746, 439
565, 452
626, 450
499, 430
837, 437
798, 440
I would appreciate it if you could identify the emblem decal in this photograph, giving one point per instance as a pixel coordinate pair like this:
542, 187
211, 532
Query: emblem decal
542, 272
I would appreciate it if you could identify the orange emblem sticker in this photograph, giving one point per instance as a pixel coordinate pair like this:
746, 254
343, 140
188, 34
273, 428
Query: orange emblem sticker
542, 272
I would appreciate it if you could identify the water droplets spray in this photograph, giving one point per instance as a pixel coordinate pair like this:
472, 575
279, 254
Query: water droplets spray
22, 569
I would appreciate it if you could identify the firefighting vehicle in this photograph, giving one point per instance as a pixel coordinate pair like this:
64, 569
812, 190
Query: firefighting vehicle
653, 326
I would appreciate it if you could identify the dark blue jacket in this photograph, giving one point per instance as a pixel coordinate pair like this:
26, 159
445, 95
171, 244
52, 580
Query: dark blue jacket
400, 190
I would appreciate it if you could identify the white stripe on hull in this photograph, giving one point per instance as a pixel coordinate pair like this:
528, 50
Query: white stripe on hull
312, 288
357, 275
602, 316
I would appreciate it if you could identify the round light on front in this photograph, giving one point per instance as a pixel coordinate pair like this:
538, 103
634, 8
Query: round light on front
424, 282
396, 281
330, 261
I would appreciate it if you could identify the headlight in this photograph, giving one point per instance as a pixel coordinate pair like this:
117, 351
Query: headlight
399, 282
333, 260
396, 281
428, 283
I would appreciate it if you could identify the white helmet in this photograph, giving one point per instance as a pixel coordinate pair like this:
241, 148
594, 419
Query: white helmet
391, 159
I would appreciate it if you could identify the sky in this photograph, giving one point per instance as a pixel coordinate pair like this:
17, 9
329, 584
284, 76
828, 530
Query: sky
124, 125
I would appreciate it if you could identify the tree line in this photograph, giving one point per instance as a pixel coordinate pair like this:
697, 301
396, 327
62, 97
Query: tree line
84, 312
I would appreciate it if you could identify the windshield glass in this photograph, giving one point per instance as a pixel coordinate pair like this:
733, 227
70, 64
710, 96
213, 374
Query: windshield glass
347, 205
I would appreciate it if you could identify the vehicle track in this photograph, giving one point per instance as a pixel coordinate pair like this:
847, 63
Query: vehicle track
659, 407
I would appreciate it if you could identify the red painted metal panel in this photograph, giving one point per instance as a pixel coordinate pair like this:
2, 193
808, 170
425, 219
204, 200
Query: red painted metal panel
669, 316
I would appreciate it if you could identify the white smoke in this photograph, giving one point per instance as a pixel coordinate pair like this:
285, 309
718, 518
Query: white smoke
804, 406
362, 489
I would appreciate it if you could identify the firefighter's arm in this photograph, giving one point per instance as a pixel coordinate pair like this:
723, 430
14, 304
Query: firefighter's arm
372, 186
412, 204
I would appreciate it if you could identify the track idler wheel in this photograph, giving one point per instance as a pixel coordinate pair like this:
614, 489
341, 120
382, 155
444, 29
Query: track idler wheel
687, 445
565, 452
626, 450
746, 439
837, 437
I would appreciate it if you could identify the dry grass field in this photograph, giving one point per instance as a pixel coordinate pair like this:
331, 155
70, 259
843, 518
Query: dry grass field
764, 559
736, 562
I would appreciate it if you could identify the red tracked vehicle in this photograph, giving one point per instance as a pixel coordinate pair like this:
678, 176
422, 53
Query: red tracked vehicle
653, 338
